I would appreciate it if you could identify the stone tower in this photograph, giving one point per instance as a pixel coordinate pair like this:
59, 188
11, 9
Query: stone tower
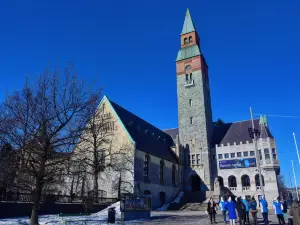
194, 109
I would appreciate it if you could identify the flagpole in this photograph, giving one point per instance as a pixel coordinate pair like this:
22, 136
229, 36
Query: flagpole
295, 180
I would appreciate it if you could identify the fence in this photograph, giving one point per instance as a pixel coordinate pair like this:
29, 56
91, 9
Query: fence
11, 196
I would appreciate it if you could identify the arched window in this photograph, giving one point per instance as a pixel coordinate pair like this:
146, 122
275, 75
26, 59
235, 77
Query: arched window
188, 68
221, 181
174, 174
190, 39
161, 171
146, 168
185, 41
245, 181
232, 181
257, 181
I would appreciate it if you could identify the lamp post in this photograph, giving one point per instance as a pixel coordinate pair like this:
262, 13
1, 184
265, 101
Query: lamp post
253, 134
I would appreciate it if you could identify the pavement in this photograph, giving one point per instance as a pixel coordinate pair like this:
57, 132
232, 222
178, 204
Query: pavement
193, 218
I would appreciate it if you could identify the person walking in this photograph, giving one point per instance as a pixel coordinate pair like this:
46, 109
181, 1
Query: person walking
295, 212
231, 207
264, 210
211, 209
241, 209
253, 210
246, 203
278, 207
222, 206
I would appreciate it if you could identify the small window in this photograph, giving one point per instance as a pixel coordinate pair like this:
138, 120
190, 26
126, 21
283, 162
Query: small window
191, 120
186, 77
274, 154
193, 159
198, 159
245, 154
188, 68
232, 155
252, 153
190, 102
190, 39
185, 41
260, 155
220, 156
146, 132
226, 155
191, 76
267, 154
239, 154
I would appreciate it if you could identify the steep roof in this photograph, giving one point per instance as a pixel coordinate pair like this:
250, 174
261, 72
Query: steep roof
147, 137
232, 132
188, 52
188, 25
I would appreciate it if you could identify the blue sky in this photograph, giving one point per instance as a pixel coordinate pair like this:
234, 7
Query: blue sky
129, 49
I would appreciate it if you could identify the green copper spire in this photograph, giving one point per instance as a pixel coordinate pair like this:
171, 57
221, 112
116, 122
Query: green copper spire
263, 120
188, 25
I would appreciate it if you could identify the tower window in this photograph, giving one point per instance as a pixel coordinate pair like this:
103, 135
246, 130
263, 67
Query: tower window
191, 120
186, 77
188, 68
191, 77
185, 41
190, 39
190, 102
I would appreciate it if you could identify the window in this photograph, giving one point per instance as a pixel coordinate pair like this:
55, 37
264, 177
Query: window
161, 172
226, 155
232, 155
185, 41
186, 77
232, 181
188, 68
193, 159
267, 154
174, 174
245, 154
239, 154
220, 156
257, 180
146, 168
190, 102
189, 160
260, 155
198, 159
274, 154
190, 39
191, 76
252, 153
245, 181
191, 120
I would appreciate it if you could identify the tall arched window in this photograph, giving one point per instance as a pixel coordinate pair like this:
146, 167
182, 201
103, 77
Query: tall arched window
245, 181
257, 181
146, 168
174, 174
232, 181
161, 171
190, 39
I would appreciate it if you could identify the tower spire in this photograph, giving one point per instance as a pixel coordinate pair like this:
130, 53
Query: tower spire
188, 25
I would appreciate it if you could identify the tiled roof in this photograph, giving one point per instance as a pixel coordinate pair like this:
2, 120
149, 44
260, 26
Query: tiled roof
238, 132
232, 132
188, 25
188, 52
147, 137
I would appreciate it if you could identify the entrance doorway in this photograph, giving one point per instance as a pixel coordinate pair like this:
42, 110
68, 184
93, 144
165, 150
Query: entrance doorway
195, 183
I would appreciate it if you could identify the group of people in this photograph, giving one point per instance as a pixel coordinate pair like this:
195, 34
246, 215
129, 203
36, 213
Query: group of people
240, 208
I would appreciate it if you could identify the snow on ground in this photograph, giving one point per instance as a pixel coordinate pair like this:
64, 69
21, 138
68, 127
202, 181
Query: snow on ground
176, 200
94, 219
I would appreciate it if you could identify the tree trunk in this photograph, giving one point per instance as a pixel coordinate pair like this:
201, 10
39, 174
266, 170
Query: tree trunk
96, 194
36, 203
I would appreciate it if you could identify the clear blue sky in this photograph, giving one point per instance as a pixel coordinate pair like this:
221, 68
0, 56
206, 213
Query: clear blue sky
129, 49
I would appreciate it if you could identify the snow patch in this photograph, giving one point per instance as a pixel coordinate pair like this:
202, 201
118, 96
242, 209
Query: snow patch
176, 200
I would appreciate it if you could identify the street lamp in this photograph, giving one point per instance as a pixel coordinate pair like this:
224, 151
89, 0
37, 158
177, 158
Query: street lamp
253, 134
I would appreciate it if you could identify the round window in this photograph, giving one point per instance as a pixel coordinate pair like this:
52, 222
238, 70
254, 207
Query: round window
188, 68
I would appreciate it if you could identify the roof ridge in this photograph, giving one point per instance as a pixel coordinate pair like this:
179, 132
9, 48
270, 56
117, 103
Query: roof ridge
243, 120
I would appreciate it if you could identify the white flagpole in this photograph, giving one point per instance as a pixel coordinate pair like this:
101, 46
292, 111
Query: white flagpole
296, 146
295, 180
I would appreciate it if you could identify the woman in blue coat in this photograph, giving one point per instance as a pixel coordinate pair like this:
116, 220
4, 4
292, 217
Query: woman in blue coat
231, 207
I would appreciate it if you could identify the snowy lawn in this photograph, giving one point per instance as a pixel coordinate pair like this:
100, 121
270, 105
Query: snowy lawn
98, 218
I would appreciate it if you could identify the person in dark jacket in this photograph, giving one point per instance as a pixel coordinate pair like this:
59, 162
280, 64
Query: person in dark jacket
241, 210
211, 209
295, 212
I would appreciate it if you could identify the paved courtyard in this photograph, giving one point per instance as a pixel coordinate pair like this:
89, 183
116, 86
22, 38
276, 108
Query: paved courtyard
192, 218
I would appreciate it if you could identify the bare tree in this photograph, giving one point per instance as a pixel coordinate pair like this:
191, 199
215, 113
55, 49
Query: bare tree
42, 123
95, 145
